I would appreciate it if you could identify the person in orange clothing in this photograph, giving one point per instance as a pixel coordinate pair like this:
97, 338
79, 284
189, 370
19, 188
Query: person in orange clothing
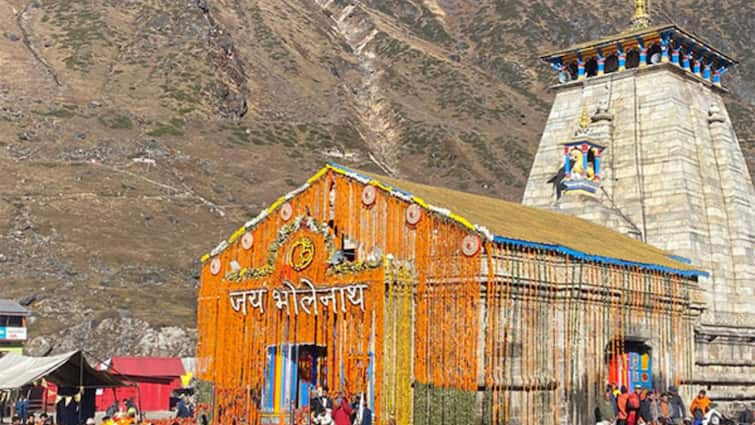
127, 419
699, 407
623, 407
664, 413
633, 405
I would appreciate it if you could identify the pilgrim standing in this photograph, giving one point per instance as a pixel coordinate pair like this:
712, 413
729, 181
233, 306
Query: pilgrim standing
321, 407
645, 414
663, 410
342, 410
605, 414
363, 414
22, 408
622, 404
699, 407
633, 406
182, 408
677, 406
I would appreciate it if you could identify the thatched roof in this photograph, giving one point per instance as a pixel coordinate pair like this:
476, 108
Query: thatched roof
511, 223
505, 223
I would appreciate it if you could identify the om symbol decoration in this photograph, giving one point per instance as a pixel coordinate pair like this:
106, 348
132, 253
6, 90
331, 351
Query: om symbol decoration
301, 254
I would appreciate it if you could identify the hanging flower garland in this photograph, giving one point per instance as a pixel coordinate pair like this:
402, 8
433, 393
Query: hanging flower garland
368, 197
283, 236
354, 267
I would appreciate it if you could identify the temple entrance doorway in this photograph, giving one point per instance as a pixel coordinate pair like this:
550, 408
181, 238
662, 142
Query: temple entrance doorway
629, 363
292, 372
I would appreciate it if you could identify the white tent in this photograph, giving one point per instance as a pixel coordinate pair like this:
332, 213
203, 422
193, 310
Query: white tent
65, 370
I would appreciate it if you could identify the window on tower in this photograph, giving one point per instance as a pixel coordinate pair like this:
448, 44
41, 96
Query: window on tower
612, 64
654, 54
633, 59
572, 70
591, 67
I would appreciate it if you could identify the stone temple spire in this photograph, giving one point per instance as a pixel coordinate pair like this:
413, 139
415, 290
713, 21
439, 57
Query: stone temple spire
661, 162
641, 19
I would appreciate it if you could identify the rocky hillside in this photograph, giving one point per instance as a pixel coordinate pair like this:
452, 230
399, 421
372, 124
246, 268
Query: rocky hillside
135, 134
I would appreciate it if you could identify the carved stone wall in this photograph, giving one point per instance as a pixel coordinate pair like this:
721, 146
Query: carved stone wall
674, 175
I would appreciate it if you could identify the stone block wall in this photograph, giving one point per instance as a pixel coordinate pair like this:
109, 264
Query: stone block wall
672, 174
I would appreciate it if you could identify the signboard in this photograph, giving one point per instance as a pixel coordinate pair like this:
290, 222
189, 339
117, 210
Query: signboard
640, 371
12, 334
304, 299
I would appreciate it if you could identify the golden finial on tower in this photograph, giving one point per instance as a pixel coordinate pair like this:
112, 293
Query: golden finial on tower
641, 19
584, 120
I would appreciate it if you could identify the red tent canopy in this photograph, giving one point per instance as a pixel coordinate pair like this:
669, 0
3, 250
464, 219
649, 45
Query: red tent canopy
153, 380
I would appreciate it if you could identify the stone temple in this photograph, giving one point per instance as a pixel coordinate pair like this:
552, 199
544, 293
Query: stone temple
639, 140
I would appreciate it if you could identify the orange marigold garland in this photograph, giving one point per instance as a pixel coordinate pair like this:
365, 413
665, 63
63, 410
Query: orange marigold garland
423, 321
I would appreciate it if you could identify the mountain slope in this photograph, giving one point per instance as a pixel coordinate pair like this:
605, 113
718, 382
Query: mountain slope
138, 133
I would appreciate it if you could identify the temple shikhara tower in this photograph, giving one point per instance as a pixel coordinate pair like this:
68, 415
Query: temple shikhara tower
639, 140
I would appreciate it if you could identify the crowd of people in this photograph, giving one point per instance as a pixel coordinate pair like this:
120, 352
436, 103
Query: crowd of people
616, 406
31, 419
324, 410
642, 406
121, 411
124, 412
43, 419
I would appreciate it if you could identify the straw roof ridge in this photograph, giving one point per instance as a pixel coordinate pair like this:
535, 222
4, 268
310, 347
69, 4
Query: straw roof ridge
503, 222
506, 222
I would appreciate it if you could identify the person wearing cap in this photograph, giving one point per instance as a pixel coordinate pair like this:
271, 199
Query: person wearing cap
633, 405
699, 407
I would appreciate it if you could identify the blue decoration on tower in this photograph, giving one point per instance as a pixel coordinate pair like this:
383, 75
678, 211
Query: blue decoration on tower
674, 45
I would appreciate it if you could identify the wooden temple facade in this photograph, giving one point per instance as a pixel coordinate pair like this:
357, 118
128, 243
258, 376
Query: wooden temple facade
439, 307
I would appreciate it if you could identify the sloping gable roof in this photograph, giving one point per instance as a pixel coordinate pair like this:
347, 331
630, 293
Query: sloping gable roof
632, 34
12, 308
65, 370
510, 223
